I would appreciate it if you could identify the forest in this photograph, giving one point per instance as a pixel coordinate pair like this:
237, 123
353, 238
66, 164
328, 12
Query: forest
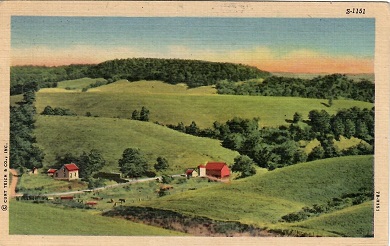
334, 86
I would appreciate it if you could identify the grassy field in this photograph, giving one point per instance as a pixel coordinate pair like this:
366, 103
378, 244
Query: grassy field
355, 221
78, 84
170, 104
38, 219
60, 134
264, 198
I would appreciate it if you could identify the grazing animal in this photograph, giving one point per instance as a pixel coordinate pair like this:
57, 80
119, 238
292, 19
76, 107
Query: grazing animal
122, 200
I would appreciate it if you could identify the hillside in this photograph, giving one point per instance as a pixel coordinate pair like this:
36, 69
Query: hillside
37, 219
264, 198
61, 134
194, 73
119, 99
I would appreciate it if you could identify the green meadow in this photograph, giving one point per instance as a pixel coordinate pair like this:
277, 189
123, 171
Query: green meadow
78, 84
170, 104
264, 198
62, 134
39, 219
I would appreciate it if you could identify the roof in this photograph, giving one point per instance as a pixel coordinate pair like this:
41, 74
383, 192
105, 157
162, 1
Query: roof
215, 165
189, 171
71, 167
51, 170
201, 166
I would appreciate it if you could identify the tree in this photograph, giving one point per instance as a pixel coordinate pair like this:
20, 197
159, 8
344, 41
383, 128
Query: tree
90, 162
317, 153
319, 121
135, 115
244, 165
162, 164
297, 117
192, 129
48, 111
144, 115
133, 163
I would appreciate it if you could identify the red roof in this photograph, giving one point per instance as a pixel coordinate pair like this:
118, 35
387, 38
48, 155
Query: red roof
189, 171
215, 165
51, 170
201, 166
71, 167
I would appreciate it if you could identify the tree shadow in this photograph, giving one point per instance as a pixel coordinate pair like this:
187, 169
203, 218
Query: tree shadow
289, 121
326, 105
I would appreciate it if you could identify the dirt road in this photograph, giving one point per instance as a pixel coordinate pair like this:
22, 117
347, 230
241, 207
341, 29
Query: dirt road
14, 182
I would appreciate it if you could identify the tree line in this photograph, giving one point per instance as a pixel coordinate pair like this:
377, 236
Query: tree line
24, 153
194, 73
276, 147
334, 86
44, 77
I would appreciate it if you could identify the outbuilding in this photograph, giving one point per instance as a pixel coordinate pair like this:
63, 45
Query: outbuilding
217, 169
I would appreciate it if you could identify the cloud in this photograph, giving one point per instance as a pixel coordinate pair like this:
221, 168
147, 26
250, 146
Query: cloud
273, 60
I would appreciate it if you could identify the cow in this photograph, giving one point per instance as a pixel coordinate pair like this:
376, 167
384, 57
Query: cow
122, 200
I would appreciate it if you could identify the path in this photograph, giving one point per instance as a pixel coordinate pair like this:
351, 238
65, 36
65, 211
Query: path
14, 182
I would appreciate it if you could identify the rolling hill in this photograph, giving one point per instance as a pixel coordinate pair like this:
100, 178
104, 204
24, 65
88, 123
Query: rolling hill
171, 104
262, 199
61, 134
37, 219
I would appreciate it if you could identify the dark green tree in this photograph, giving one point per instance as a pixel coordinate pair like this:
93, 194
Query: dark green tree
318, 152
161, 164
144, 115
135, 115
192, 129
90, 163
48, 111
244, 165
133, 163
297, 117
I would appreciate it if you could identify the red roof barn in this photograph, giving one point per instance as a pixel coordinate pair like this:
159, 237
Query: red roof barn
217, 169
67, 171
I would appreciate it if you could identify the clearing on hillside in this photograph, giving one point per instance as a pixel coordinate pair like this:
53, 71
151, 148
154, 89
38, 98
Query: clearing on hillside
119, 100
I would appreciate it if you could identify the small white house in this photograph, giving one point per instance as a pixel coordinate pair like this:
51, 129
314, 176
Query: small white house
67, 172
202, 170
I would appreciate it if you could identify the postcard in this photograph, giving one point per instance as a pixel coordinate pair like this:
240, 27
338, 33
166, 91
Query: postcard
194, 123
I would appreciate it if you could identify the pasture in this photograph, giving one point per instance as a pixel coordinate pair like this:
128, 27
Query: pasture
170, 104
267, 196
42, 219
78, 84
61, 134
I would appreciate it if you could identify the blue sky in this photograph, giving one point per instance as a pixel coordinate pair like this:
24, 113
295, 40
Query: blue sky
248, 40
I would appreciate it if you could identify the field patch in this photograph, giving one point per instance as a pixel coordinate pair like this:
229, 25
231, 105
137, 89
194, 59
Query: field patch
78, 84
40, 219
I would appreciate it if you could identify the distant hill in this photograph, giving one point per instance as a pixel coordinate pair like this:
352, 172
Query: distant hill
357, 77
194, 73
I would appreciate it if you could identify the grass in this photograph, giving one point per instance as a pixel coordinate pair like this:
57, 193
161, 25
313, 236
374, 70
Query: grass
77, 84
61, 134
40, 219
42, 183
262, 199
355, 221
170, 104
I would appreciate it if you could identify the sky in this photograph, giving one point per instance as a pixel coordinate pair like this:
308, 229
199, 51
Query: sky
296, 45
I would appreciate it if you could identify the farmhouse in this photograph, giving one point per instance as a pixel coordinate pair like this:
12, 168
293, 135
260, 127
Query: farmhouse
67, 172
191, 173
202, 170
217, 169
